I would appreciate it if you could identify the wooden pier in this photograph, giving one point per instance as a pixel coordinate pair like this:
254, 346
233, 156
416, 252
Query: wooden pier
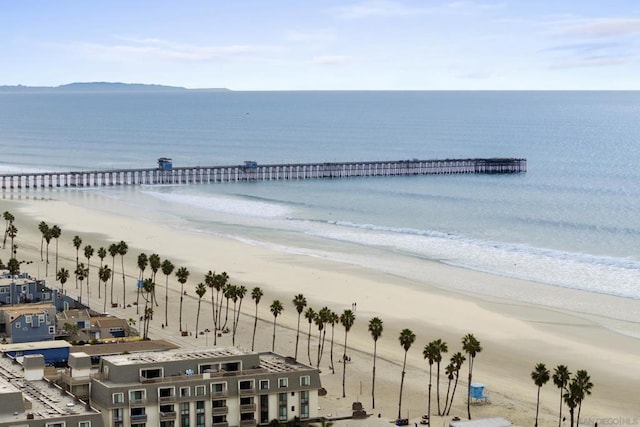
165, 173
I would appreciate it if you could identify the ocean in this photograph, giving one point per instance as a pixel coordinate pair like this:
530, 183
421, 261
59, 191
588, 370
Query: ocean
572, 221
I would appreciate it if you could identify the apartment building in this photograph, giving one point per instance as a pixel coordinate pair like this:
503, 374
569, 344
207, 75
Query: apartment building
220, 387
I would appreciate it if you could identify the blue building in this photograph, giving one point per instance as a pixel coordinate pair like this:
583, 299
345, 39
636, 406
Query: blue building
54, 352
24, 289
28, 322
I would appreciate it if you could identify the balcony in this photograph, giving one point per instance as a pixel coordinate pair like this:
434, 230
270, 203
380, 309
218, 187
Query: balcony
219, 394
249, 407
139, 417
248, 423
224, 424
138, 401
165, 399
247, 391
222, 410
167, 416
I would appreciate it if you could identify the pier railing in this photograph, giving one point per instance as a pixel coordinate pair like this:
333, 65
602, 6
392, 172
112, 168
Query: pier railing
257, 172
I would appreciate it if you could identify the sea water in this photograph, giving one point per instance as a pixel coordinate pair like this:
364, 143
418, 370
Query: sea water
573, 220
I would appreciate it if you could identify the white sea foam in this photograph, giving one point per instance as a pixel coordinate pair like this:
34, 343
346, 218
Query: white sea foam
221, 204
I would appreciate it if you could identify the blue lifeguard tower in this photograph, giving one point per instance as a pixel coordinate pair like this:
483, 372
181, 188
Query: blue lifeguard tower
477, 392
165, 164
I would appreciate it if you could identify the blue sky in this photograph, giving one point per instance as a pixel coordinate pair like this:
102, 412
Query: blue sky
324, 44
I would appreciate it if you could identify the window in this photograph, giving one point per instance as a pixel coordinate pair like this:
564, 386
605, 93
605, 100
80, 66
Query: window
52, 330
208, 367
200, 407
27, 319
283, 382
151, 373
201, 390
84, 424
18, 325
166, 392
41, 318
166, 409
185, 391
264, 384
184, 414
118, 397
117, 415
304, 404
137, 396
218, 388
305, 380
282, 406
56, 424
246, 385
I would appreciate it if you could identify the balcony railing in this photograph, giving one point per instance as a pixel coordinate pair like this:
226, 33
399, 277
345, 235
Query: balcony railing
184, 377
249, 407
224, 424
248, 423
139, 417
138, 401
220, 410
163, 399
247, 391
167, 415
217, 394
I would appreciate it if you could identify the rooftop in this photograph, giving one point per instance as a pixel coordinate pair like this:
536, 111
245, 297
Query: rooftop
36, 345
122, 347
173, 355
46, 400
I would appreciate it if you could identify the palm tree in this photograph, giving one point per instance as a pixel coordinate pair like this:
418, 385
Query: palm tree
310, 315
276, 308
56, 232
105, 274
376, 327
429, 353
584, 382
540, 376
102, 254
167, 269
143, 261
62, 276
256, 295
300, 302
407, 338
571, 397
13, 232
210, 282
113, 251
449, 372
77, 242
14, 267
122, 251
440, 347
43, 227
9, 218
561, 376
81, 272
321, 319
182, 274
48, 235
240, 293
472, 347
154, 264
456, 360
201, 289
347, 319
220, 284
88, 253
227, 292
333, 319
147, 288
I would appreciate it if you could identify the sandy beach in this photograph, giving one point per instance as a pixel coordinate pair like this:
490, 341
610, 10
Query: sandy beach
514, 335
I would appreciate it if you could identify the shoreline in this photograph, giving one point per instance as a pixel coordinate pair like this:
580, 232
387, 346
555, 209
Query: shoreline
515, 335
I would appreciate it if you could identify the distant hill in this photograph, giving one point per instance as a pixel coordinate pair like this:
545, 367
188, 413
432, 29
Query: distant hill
105, 87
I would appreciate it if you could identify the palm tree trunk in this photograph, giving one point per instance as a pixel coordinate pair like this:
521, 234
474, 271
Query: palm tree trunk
309, 344
104, 306
166, 301
344, 366
373, 381
446, 400
255, 326
181, 298
226, 315
297, 337
124, 289
429, 394
469, 389
273, 343
571, 413
438, 388
578, 415
333, 368
404, 364
233, 325
537, 407
215, 322
113, 268
560, 414
198, 318
453, 393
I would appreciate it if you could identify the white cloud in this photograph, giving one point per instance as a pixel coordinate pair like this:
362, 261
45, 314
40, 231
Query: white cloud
379, 8
158, 49
592, 62
310, 36
330, 60
605, 27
